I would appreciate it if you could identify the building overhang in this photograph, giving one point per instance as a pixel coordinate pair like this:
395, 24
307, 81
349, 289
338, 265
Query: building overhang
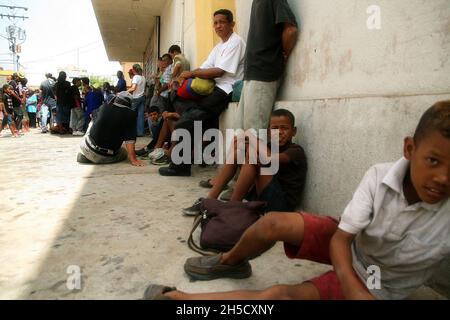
126, 26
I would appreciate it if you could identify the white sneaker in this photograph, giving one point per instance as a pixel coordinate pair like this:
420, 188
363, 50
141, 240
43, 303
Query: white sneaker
78, 133
156, 154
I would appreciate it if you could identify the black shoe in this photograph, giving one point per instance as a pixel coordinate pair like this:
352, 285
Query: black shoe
141, 152
156, 292
82, 159
181, 170
193, 210
210, 268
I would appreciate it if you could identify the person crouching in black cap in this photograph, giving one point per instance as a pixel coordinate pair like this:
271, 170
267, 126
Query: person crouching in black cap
114, 125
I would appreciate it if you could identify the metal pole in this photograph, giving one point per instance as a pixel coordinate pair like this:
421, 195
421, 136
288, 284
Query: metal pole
14, 49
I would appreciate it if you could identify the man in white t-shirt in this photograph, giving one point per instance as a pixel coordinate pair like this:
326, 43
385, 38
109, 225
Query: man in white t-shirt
225, 64
137, 90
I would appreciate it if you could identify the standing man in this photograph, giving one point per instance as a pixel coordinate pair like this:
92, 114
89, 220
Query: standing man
138, 89
48, 100
76, 113
64, 103
272, 36
121, 83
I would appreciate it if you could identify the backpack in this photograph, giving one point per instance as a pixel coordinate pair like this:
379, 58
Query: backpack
223, 223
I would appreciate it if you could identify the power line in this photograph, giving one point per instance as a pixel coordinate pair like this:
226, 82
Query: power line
9, 16
13, 7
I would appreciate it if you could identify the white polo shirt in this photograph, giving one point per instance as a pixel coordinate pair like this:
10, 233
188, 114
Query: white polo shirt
228, 56
140, 88
407, 242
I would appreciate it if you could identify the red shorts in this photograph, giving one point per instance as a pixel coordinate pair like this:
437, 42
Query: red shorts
316, 247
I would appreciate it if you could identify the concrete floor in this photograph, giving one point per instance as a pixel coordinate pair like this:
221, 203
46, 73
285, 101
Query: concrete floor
120, 224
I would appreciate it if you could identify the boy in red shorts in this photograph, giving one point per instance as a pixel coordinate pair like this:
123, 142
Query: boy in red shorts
398, 222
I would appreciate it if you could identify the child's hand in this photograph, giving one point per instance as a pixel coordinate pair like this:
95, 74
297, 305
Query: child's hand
137, 163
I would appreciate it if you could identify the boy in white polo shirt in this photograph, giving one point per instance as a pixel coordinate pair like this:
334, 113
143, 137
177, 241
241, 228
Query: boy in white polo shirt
398, 223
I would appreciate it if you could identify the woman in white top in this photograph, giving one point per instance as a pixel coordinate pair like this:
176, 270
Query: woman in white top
137, 90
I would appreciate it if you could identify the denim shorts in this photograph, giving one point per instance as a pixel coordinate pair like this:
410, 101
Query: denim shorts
7, 120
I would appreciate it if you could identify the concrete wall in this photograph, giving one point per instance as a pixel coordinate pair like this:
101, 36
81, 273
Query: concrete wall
338, 56
243, 9
190, 32
171, 32
171, 25
356, 92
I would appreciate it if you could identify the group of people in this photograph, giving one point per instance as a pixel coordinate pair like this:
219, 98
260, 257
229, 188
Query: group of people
72, 105
227, 64
18, 106
58, 106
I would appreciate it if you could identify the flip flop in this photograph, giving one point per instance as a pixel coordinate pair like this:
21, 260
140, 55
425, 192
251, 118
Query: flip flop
207, 184
156, 292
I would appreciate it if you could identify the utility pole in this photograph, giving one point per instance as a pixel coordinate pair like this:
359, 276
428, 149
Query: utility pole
16, 36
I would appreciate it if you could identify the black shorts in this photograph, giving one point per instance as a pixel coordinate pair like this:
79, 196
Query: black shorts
274, 195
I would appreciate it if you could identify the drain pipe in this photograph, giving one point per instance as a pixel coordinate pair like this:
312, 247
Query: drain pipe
158, 26
182, 25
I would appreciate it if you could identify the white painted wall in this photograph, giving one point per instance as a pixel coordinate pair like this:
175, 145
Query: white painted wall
243, 9
171, 20
178, 27
190, 32
339, 56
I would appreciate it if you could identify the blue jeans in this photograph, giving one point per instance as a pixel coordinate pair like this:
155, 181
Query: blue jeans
138, 105
44, 117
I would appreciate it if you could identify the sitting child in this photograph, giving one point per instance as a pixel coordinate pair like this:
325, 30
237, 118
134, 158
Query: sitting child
174, 110
397, 222
155, 123
281, 191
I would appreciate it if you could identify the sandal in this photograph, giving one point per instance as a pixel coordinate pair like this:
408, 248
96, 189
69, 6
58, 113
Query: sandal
207, 184
156, 292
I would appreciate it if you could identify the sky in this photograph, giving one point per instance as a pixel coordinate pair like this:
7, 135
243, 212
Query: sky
60, 34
